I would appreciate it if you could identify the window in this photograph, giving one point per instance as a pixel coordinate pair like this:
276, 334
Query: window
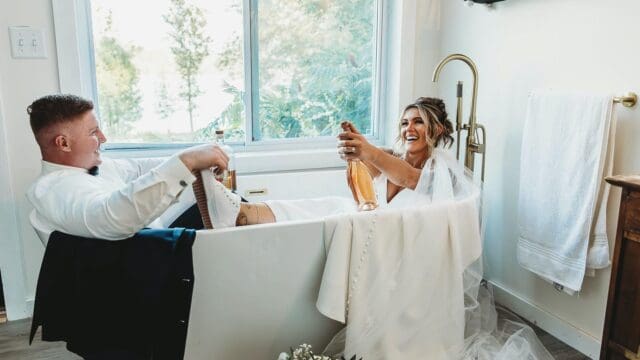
265, 71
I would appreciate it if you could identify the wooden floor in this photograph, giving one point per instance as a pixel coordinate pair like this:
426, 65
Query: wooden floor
557, 348
14, 345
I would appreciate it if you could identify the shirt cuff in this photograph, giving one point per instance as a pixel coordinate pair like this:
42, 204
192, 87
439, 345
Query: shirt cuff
177, 174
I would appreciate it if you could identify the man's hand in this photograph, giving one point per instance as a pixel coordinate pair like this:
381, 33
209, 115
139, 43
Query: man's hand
204, 157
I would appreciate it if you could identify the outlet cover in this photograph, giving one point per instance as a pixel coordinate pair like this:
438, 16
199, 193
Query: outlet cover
27, 43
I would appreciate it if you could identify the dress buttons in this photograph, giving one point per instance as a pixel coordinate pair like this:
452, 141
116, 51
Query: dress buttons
182, 322
183, 183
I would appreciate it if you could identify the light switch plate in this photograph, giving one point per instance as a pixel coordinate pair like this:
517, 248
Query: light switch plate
27, 42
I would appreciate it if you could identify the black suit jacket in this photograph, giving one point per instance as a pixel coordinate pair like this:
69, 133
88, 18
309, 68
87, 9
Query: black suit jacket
132, 294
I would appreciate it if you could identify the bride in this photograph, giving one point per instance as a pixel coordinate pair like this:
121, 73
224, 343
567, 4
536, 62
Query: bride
422, 172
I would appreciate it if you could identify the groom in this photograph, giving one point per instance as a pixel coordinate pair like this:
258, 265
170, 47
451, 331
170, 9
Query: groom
82, 204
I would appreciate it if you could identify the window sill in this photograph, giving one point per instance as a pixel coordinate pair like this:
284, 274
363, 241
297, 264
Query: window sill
255, 162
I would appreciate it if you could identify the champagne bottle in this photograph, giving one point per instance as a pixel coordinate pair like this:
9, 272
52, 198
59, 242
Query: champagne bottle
227, 177
361, 185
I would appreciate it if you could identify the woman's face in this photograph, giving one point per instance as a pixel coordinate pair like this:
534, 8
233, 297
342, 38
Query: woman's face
414, 131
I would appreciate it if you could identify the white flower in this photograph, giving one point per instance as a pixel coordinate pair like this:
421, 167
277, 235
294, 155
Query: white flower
303, 352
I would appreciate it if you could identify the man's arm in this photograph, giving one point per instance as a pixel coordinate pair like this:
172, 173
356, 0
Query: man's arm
131, 169
79, 205
197, 157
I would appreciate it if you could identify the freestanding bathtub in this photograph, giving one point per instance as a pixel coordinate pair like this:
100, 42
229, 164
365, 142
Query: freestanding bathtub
256, 286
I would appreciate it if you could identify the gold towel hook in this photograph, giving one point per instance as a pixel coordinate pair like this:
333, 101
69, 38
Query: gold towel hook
627, 100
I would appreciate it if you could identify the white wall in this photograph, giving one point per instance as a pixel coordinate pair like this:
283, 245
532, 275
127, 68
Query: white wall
11, 265
22, 82
526, 44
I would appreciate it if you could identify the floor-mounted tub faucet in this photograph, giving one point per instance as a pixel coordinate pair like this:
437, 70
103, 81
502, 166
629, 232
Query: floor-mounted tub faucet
473, 146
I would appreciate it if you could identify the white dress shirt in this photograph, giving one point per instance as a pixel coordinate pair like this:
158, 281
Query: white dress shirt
126, 196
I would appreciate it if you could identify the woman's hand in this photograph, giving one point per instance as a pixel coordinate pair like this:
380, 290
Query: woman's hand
353, 145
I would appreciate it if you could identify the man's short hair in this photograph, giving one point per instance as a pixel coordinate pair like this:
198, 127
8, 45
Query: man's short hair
56, 109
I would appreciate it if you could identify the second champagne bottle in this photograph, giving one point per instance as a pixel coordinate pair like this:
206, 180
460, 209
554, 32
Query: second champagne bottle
227, 177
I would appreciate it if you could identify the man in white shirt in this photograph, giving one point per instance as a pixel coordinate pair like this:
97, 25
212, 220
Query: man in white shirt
125, 196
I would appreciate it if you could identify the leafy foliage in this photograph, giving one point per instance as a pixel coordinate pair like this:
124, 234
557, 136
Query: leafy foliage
164, 105
118, 93
316, 66
229, 119
190, 48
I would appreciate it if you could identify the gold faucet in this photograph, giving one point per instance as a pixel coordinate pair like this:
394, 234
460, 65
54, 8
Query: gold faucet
473, 146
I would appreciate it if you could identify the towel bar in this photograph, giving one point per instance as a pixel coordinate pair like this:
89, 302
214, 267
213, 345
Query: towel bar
627, 100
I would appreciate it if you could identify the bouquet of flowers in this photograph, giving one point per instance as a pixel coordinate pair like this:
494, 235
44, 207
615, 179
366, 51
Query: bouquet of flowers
303, 352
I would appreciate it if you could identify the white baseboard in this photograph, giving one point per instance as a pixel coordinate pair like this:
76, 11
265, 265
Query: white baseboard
548, 322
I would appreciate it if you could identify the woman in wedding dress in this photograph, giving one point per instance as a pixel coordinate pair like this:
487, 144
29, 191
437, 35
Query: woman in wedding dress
423, 172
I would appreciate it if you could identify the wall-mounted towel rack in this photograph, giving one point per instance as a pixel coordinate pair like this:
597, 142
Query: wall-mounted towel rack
627, 100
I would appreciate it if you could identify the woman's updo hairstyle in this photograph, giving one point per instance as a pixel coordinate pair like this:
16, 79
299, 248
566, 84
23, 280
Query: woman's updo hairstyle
434, 113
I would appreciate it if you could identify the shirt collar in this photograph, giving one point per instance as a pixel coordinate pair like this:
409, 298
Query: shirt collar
49, 167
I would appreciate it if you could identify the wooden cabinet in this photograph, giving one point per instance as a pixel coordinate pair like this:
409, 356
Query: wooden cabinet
621, 335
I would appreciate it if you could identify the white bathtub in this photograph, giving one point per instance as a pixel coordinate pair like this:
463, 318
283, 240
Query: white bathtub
256, 287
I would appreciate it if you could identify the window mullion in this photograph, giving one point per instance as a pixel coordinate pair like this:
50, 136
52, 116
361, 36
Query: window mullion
250, 17
378, 72
246, 52
256, 134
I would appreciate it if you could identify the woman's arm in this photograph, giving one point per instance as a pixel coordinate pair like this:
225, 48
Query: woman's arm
395, 169
353, 145
374, 170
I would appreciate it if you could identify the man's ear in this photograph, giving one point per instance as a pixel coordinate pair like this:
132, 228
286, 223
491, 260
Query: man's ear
62, 143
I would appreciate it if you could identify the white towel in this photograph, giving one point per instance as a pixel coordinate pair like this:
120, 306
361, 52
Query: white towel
566, 148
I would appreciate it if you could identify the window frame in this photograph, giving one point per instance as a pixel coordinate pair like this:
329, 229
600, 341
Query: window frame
76, 67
